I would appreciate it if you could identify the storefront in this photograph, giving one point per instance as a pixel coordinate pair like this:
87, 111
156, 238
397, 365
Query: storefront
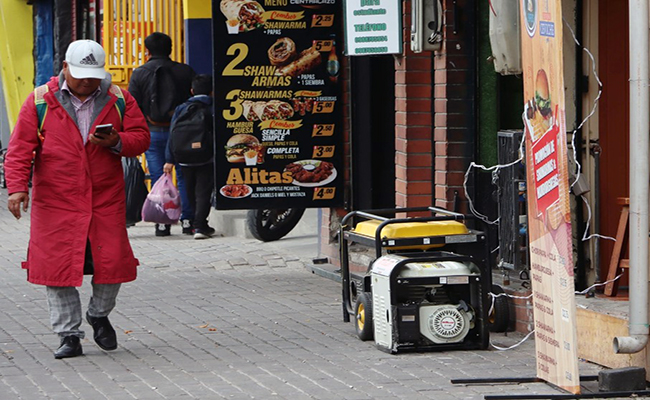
451, 108
402, 128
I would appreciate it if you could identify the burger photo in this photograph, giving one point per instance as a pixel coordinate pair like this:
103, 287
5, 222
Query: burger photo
239, 144
539, 111
542, 101
542, 95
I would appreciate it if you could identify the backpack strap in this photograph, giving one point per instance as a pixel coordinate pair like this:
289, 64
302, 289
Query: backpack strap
41, 104
41, 107
120, 104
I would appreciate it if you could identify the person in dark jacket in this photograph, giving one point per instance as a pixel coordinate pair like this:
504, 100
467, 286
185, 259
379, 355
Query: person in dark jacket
199, 177
159, 46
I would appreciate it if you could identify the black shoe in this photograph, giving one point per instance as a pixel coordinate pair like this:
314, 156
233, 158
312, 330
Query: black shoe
70, 347
163, 230
188, 229
104, 334
204, 233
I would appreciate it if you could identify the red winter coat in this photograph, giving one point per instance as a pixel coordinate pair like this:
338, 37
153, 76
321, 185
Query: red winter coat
77, 190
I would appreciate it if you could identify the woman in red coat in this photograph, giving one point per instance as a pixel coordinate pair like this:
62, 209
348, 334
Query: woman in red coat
78, 197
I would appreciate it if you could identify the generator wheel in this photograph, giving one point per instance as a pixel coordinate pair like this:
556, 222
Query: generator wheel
499, 315
363, 317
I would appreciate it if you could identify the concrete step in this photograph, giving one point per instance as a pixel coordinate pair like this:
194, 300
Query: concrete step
233, 223
230, 223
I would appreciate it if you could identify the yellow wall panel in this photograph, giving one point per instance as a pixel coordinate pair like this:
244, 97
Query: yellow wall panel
196, 9
16, 59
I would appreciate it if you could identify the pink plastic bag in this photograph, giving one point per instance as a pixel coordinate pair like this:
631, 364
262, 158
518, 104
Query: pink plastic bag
163, 203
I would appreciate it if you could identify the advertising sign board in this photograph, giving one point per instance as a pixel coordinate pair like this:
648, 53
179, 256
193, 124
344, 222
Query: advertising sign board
278, 106
549, 213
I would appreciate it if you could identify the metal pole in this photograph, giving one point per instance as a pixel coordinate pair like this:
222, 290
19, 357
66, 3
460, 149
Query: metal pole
596, 210
639, 130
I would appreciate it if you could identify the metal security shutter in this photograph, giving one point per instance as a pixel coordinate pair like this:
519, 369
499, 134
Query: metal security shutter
128, 22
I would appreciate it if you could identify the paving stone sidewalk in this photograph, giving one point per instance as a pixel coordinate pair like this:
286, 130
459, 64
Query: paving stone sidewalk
226, 318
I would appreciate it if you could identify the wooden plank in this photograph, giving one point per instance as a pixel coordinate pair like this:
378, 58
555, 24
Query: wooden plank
612, 287
595, 334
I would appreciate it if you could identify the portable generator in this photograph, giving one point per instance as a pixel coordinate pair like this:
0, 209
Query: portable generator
427, 288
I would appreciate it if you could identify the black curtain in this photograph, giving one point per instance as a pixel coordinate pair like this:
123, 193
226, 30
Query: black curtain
63, 31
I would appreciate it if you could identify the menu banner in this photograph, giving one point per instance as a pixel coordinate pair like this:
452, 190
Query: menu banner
549, 212
278, 104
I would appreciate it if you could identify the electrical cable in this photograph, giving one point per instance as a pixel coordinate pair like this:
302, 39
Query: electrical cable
494, 169
513, 346
598, 284
494, 296
593, 108
509, 295
593, 235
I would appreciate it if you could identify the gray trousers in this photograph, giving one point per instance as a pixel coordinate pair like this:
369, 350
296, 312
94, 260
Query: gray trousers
65, 306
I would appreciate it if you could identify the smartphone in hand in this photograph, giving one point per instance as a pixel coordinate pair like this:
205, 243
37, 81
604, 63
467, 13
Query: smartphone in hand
103, 130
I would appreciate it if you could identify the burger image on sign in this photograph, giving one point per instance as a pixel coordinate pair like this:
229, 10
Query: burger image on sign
238, 145
539, 111
543, 96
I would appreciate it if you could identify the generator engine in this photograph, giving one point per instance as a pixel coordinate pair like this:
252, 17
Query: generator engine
446, 323
427, 303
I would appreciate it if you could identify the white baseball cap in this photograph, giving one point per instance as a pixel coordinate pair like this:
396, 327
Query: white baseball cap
86, 59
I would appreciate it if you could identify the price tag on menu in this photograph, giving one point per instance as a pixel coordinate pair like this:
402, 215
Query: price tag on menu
323, 130
322, 20
323, 107
324, 193
323, 45
323, 151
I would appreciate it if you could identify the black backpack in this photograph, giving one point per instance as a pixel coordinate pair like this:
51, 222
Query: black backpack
165, 95
191, 139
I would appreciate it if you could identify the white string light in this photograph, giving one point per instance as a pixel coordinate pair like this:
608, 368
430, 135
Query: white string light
495, 168
585, 237
598, 284
513, 346
593, 108
494, 296
512, 296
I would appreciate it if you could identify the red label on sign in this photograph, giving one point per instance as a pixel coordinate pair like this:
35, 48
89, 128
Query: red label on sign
547, 175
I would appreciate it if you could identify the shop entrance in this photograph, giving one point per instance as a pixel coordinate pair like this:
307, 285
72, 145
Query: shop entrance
372, 98
613, 120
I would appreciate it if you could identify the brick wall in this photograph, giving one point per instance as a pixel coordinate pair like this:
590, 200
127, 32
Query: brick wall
454, 102
414, 159
435, 112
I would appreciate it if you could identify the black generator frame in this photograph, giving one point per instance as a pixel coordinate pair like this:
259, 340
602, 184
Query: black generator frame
471, 247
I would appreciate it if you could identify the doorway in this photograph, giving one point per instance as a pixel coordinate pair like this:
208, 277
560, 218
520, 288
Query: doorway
614, 125
372, 98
